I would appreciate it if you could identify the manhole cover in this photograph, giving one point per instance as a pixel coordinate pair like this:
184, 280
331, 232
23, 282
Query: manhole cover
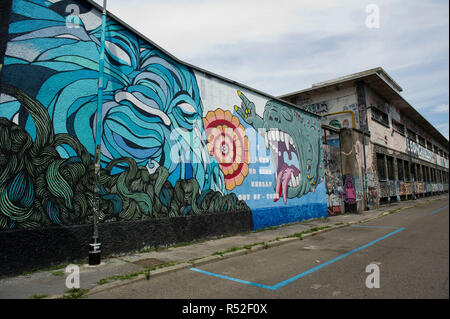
149, 262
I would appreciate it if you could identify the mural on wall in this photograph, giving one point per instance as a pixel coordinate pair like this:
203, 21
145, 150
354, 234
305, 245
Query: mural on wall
296, 153
163, 153
151, 111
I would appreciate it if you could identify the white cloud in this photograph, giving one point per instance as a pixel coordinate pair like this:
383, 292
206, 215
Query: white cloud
440, 109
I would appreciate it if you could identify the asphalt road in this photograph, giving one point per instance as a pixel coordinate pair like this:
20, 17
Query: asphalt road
410, 249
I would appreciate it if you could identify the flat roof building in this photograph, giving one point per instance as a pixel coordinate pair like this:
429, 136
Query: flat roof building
402, 155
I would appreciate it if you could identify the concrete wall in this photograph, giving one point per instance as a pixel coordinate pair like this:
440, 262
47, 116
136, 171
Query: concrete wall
176, 141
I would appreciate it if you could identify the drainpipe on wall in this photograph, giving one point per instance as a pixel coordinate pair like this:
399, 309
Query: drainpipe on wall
95, 245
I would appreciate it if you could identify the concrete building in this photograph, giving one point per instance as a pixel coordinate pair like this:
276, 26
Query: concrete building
401, 157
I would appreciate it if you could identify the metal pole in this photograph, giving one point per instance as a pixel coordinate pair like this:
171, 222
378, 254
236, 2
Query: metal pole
95, 245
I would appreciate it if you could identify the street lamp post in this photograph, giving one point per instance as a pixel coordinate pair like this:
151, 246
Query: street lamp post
95, 245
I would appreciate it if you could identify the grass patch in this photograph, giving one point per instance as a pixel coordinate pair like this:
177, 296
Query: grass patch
34, 270
127, 276
132, 275
296, 235
312, 230
193, 260
182, 244
167, 264
58, 273
75, 293
102, 281
226, 251
337, 224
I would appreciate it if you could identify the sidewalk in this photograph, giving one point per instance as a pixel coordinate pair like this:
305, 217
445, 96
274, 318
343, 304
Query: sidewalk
122, 270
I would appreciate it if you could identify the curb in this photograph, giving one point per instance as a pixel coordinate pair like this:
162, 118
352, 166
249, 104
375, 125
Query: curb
240, 252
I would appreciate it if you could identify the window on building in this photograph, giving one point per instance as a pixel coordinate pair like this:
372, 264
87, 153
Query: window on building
413, 172
407, 171
429, 146
380, 116
399, 127
411, 135
381, 168
421, 140
390, 168
401, 175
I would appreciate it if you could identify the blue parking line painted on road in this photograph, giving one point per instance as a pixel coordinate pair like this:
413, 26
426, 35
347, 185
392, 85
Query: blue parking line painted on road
303, 274
232, 279
440, 209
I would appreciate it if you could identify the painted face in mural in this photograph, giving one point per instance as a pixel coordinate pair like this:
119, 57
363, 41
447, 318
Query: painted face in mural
152, 107
292, 139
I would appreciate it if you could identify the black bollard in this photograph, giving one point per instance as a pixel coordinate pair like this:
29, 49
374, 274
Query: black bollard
94, 252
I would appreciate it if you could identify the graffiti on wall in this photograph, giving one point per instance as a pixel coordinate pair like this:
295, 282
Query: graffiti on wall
420, 151
163, 152
296, 153
333, 178
318, 108
349, 190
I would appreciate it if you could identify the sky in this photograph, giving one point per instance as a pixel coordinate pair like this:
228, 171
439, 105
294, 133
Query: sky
282, 46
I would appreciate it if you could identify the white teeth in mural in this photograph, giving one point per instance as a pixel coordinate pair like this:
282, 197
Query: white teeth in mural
284, 153
278, 136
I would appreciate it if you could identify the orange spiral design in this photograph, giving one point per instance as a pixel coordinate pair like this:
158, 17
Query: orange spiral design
226, 141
